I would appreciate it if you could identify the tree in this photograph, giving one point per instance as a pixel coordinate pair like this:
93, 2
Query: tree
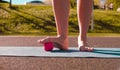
10, 3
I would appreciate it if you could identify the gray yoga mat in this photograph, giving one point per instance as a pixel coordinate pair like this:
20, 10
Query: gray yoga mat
72, 52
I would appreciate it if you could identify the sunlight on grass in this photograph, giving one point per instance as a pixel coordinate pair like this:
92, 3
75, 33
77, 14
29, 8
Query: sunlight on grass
39, 20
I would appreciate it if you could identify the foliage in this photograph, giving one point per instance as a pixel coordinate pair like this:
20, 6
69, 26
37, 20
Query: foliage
1, 0
96, 4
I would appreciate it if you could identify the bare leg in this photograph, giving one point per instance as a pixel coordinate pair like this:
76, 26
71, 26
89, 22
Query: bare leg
84, 9
61, 12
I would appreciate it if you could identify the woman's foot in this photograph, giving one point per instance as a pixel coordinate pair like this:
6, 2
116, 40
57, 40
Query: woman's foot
86, 49
82, 46
59, 42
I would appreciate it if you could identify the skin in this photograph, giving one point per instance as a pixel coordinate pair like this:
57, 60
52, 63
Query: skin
61, 10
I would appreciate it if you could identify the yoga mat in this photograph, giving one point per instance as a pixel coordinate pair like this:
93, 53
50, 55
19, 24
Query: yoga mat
72, 52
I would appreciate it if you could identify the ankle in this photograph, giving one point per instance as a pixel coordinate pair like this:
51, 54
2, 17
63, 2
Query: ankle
62, 37
82, 38
82, 43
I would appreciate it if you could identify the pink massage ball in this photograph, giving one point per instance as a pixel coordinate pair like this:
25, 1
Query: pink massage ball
48, 46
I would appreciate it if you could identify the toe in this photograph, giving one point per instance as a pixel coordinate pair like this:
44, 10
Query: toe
86, 49
42, 41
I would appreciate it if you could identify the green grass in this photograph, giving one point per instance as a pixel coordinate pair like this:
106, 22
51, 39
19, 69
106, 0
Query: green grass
70, 34
27, 19
103, 35
106, 21
4, 4
39, 20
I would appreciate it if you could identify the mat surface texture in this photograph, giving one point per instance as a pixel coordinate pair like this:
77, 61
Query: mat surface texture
72, 52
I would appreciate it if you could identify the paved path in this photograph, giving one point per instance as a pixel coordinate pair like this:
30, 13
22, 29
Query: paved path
38, 63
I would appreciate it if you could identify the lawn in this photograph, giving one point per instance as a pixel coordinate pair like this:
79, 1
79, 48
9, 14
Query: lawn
39, 20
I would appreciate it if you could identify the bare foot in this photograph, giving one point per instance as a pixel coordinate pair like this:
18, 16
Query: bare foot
82, 47
86, 49
59, 42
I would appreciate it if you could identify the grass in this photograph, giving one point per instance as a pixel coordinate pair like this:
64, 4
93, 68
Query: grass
27, 19
70, 34
39, 20
106, 21
103, 35
4, 4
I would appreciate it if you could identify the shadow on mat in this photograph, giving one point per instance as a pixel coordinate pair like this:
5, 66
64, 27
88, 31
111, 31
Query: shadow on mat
65, 51
108, 52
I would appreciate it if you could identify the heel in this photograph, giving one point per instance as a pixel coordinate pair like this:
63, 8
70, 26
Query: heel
57, 45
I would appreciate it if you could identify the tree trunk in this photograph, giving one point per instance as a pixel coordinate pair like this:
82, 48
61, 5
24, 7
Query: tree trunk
10, 3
